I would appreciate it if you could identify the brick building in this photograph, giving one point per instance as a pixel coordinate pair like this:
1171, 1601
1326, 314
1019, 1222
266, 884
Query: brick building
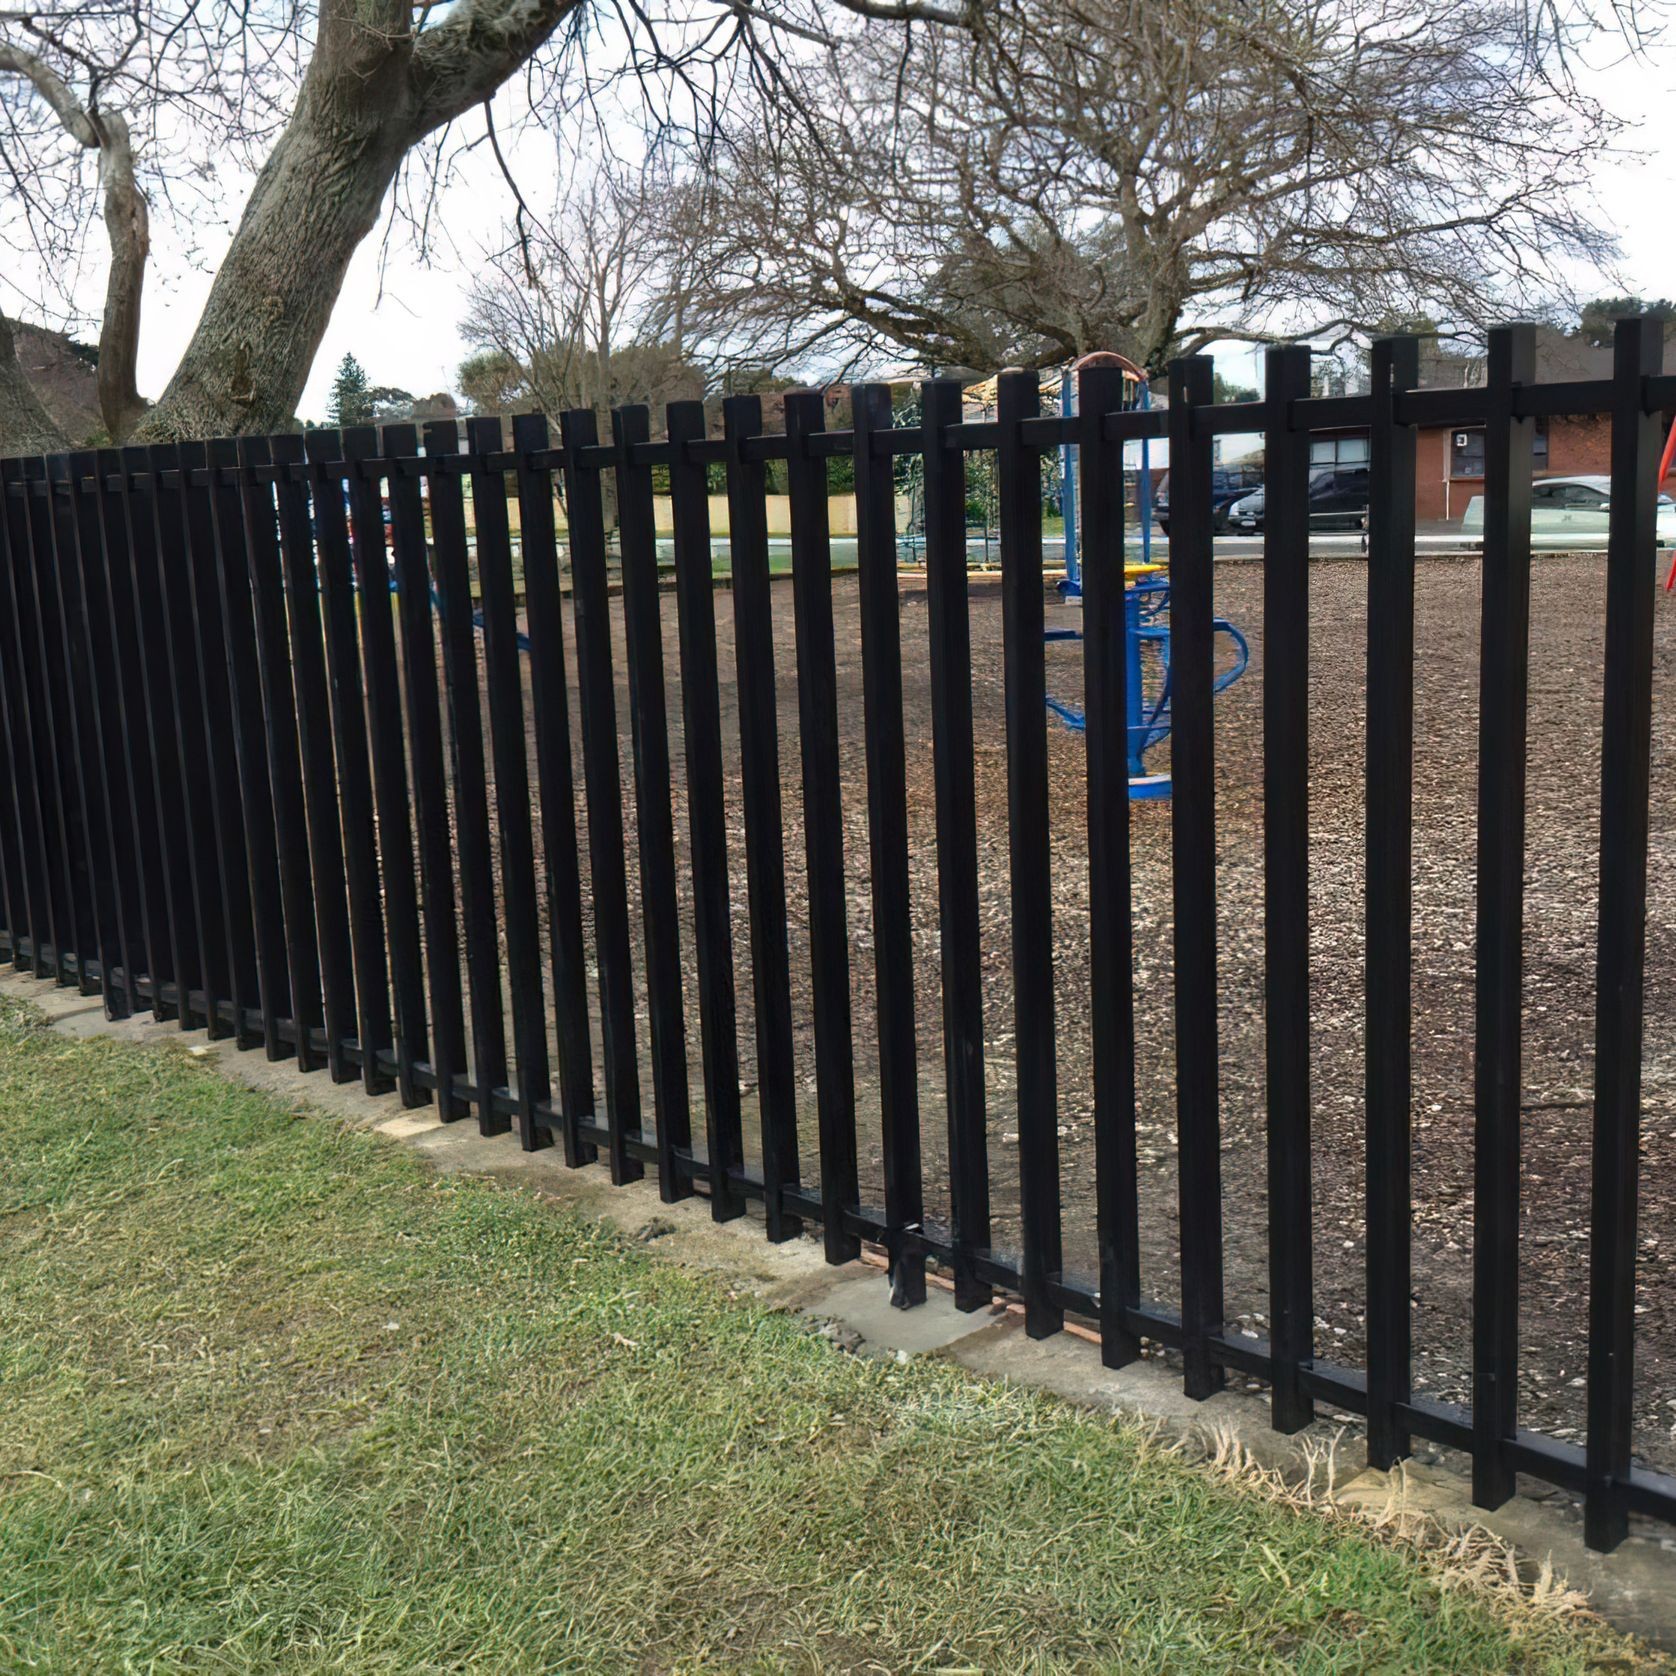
1449, 462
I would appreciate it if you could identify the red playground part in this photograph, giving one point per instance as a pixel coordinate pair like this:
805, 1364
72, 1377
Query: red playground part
1664, 472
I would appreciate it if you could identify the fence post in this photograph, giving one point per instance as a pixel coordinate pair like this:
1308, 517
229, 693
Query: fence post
204, 946
887, 832
474, 852
947, 607
111, 629
631, 428
423, 711
21, 754
551, 702
306, 645
765, 861
1110, 916
520, 914
823, 820
1286, 882
354, 779
251, 784
1626, 737
115, 880
1503, 673
597, 692
1389, 918
387, 747
209, 622
1193, 835
1030, 862
284, 760
54, 538
706, 813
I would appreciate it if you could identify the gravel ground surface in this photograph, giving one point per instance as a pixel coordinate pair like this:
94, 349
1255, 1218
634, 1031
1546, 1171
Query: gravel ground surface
1563, 790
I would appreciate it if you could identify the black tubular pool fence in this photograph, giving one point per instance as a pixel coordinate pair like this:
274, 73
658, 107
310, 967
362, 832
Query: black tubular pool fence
237, 795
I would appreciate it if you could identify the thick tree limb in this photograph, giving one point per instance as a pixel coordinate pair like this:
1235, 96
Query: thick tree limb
127, 226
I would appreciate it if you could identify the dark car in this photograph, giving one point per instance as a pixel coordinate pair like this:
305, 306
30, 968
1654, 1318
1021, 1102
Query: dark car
1338, 500
1227, 485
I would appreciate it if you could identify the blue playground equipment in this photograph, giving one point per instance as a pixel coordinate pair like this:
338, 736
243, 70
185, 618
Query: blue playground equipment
1146, 641
1146, 649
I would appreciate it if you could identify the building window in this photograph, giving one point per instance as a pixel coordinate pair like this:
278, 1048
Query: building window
1466, 453
1338, 451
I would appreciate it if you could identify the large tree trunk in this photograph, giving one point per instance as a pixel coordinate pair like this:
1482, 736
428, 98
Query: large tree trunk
373, 89
25, 425
317, 197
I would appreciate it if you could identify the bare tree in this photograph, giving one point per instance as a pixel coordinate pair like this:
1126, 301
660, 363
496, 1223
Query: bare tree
368, 86
137, 90
1149, 176
589, 304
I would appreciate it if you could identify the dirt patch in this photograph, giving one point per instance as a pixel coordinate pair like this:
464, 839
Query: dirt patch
1562, 884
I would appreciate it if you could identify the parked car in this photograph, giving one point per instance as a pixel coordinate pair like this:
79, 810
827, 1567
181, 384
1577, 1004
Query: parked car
1568, 512
1227, 485
1338, 500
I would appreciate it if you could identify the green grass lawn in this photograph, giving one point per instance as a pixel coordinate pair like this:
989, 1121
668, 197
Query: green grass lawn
276, 1398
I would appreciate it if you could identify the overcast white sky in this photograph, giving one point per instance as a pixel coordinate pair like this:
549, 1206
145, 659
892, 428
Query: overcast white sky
399, 316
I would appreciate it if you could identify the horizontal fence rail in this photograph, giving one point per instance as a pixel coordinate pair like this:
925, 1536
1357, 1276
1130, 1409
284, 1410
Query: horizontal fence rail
288, 756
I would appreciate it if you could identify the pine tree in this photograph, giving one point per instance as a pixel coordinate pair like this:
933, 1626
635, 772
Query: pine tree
351, 400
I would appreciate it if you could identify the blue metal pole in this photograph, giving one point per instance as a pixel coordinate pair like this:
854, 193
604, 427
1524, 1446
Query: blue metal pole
1144, 488
1132, 679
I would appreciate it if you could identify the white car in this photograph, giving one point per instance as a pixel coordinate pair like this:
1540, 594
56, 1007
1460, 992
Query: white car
1569, 513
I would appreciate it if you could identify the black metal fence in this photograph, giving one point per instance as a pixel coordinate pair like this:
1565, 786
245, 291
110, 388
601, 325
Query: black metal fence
239, 792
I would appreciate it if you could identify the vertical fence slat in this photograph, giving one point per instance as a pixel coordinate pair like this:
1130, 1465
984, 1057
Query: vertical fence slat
1111, 998
51, 854
551, 700
1503, 672
80, 556
1389, 952
52, 746
648, 714
24, 706
512, 780
597, 695
765, 861
1286, 882
1626, 737
948, 610
349, 736
430, 776
1193, 846
255, 793
471, 789
127, 711
823, 821
209, 634
388, 747
315, 744
185, 713
51, 719
58, 601
706, 811
137, 605
887, 832
110, 646
1030, 864
19, 894
284, 759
